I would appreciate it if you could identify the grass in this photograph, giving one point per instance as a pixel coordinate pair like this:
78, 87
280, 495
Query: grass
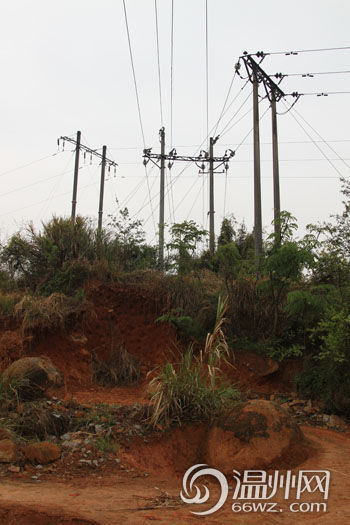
8, 302
107, 445
120, 369
39, 314
193, 389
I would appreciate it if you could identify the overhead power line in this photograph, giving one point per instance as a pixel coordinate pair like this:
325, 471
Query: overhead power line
28, 164
308, 75
134, 74
262, 54
158, 57
296, 94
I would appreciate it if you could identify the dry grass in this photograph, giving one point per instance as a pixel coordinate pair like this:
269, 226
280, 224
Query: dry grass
39, 314
121, 368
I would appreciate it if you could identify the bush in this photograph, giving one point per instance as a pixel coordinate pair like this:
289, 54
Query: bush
191, 390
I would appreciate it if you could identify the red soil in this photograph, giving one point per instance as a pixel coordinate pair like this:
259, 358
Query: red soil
112, 496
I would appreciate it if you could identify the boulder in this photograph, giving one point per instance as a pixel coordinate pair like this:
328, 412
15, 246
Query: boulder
257, 434
8, 451
42, 453
33, 376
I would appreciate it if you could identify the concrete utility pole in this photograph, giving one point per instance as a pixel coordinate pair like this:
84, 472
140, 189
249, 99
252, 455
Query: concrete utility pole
161, 202
201, 160
102, 186
276, 177
256, 76
212, 141
257, 174
92, 152
76, 171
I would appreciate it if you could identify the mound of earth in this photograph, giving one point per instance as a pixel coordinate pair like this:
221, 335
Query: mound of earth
33, 376
257, 434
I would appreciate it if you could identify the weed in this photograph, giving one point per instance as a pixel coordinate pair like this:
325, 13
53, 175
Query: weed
107, 445
121, 368
192, 390
7, 303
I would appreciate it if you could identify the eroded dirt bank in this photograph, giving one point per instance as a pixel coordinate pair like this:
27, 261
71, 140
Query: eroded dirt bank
129, 497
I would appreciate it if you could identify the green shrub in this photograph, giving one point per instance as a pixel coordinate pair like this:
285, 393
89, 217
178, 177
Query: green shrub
192, 389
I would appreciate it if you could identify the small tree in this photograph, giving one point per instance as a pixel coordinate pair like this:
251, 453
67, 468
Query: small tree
184, 239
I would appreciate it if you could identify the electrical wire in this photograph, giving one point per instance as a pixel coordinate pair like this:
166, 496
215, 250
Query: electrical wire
158, 57
318, 94
134, 75
308, 75
225, 130
171, 72
29, 164
322, 139
316, 145
207, 65
224, 106
287, 53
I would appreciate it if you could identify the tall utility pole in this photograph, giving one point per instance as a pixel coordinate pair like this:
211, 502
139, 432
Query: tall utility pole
104, 162
102, 186
257, 174
161, 193
256, 76
201, 160
75, 180
276, 177
212, 141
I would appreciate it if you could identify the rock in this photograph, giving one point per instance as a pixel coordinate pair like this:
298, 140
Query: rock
72, 443
8, 451
336, 422
33, 376
13, 468
257, 434
43, 453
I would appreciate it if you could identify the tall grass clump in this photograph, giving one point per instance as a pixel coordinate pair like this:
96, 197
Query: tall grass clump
39, 314
121, 368
193, 389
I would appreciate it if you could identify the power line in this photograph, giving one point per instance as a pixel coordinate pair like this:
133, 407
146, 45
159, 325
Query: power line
171, 71
308, 75
207, 65
224, 129
134, 75
262, 54
29, 164
318, 94
322, 139
317, 146
158, 56
233, 144
224, 106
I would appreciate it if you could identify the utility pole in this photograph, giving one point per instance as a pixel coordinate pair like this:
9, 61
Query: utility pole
104, 162
212, 141
161, 202
204, 157
276, 177
102, 185
257, 174
76, 171
256, 76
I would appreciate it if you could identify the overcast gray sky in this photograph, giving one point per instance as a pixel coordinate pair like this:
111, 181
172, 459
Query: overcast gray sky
66, 66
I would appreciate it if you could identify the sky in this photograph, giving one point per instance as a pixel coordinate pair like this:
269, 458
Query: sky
65, 66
